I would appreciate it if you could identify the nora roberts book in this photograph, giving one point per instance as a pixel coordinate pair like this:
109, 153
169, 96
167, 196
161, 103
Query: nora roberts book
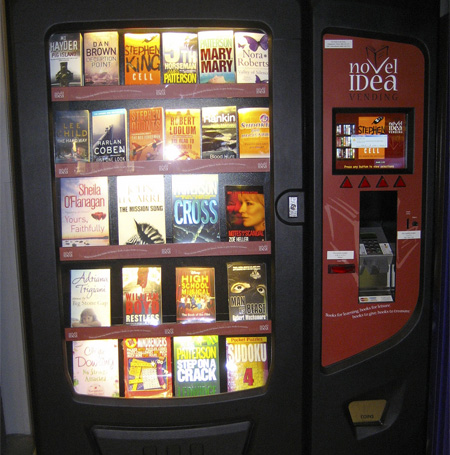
252, 57
65, 57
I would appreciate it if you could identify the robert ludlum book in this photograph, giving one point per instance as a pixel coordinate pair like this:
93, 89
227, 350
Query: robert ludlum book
247, 363
183, 134
84, 211
252, 57
216, 57
195, 205
101, 58
142, 58
245, 213
142, 301
196, 365
141, 209
65, 55
195, 294
146, 134
247, 291
96, 368
109, 135
219, 132
147, 367
71, 136
90, 297
254, 132
180, 58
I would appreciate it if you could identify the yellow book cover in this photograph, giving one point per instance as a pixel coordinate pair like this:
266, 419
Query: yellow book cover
254, 132
183, 138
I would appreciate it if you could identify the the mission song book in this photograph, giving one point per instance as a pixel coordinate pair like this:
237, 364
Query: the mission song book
146, 134
109, 135
180, 58
65, 56
252, 57
183, 134
254, 132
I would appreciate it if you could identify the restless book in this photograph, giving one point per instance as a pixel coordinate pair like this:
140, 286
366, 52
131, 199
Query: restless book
254, 132
65, 58
84, 211
180, 58
147, 367
252, 57
196, 365
195, 205
142, 301
146, 134
219, 132
141, 209
109, 135
183, 134
195, 294
142, 58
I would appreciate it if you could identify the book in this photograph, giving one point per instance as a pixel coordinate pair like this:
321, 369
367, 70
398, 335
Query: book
84, 211
219, 132
109, 135
216, 57
195, 205
65, 58
195, 294
245, 213
196, 365
247, 291
71, 136
90, 298
146, 134
101, 58
180, 58
254, 132
142, 58
142, 300
141, 209
252, 57
147, 367
183, 134
96, 367
247, 363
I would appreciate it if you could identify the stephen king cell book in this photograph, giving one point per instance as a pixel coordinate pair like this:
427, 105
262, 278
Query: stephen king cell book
146, 134
247, 291
84, 211
109, 135
252, 57
183, 134
180, 58
147, 367
254, 132
196, 365
195, 205
195, 294
65, 56
90, 297
141, 209
142, 301
142, 58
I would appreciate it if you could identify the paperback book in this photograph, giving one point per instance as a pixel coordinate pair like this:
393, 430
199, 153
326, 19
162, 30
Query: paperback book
195, 205
196, 365
252, 57
142, 301
254, 132
146, 134
65, 56
183, 134
84, 211
109, 135
195, 294
141, 209
147, 367
180, 58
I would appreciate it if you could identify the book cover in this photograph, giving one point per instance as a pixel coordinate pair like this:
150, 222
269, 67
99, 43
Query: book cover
252, 57
96, 367
109, 135
142, 58
146, 134
254, 132
245, 213
247, 363
219, 132
101, 58
195, 294
71, 136
180, 58
65, 55
147, 367
141, 209
247, 291
183, 134
195, 205
142, 301
196, 365
216, 57
84, 211
90, 298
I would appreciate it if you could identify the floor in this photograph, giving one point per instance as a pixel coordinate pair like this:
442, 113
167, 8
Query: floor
17, 444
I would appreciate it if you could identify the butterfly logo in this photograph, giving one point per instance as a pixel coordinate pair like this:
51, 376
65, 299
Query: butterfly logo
253, 44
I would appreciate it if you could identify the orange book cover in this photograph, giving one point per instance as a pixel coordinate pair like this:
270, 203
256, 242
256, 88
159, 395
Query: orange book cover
254, 132
146, 134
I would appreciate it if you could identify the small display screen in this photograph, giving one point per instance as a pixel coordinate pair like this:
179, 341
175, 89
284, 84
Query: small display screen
375, 141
